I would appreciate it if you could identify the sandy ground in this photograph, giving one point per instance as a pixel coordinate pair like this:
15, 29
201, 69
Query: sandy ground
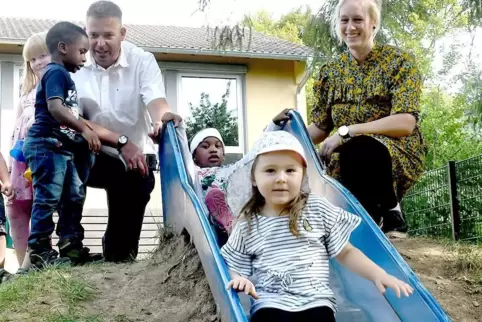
448, 274
170, 287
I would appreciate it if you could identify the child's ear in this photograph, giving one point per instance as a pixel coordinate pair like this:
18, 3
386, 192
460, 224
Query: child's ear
62, 47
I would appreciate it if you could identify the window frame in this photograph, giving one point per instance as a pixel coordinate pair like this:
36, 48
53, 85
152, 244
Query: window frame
17, 82
239, 102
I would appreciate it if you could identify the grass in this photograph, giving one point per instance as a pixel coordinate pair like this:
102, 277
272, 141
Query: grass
468, 259
463, 258
61, 294
52, 295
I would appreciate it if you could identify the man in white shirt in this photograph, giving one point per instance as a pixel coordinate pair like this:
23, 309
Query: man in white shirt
121, 89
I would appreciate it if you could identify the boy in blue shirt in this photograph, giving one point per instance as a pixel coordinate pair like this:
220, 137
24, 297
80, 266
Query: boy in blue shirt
58, 150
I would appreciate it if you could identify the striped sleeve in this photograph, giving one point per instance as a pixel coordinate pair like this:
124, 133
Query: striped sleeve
235, 253
339, 225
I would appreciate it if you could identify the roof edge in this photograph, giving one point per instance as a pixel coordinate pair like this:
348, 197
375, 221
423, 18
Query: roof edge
225, 53
199, 51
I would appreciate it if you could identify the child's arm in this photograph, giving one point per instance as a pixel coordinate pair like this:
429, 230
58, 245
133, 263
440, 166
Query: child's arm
63, 116
240, 283
7, 188
106, 136
239, 261
357, 262
338, 225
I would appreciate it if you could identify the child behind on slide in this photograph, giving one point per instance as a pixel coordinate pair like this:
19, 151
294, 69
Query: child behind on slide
285, 237
207, 149
208, 152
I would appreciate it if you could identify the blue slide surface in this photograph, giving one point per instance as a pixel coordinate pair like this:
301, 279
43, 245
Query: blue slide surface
358, 299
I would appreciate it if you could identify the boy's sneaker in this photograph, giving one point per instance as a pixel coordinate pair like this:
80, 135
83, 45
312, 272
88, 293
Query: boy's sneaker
77, 254
46, 257
22, 271
394, 225
4, 275
3, 228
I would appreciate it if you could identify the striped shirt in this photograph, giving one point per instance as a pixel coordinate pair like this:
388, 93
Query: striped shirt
292, 273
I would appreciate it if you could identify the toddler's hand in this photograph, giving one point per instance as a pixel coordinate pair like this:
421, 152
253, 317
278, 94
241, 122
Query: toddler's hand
8, 191
243, 284
92, 139
400, 287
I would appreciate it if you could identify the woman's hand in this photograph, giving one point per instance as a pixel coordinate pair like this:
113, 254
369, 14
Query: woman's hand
283, 116
329, 146
243, 284
386, 280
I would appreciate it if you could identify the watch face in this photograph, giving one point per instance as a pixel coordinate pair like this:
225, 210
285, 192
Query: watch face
123, 139
343, 130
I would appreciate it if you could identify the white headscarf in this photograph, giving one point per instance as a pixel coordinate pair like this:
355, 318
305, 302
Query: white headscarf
203, 134
239, 186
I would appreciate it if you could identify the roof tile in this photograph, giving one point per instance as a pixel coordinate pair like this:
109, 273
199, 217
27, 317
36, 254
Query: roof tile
168, 38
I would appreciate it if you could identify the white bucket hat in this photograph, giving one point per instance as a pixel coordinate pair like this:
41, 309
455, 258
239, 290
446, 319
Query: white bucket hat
203, 134
239, 187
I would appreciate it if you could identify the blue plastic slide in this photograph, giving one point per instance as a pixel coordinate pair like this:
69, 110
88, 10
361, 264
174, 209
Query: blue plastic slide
358, 299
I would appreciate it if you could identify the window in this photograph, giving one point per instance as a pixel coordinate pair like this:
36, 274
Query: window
216, 99
17, 81
8, 111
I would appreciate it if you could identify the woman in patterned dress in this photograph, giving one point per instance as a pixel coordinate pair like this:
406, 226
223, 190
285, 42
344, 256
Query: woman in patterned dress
370, 95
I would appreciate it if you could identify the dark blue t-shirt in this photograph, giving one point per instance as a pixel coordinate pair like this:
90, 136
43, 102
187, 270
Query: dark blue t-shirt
55, 83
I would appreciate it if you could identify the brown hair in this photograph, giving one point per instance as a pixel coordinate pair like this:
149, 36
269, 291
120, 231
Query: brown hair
254, 205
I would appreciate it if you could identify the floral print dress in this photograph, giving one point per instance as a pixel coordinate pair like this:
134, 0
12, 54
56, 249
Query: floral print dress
387, 83
23, 187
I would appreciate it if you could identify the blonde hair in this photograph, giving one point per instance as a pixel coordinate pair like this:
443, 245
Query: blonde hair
255, 204
34, 47
374, 12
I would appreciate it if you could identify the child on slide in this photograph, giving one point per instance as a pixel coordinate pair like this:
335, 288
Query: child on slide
285, 237
208, 152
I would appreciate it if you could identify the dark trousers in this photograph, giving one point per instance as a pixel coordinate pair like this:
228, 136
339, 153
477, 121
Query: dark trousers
59, 177
366, 171
127, 196
317, 314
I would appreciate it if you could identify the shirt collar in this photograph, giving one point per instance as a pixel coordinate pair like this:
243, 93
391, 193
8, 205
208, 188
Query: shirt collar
121, 61
372, 55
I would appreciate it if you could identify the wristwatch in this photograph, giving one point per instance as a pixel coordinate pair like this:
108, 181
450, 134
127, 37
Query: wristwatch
344, 132
121, 141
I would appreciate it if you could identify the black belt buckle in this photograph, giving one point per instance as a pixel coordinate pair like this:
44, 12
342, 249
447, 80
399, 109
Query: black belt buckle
151, 161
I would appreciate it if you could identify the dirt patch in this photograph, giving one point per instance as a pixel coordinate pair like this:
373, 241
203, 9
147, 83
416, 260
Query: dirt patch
171, 286
452, 273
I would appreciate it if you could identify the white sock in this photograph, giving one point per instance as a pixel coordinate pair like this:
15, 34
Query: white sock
397, 207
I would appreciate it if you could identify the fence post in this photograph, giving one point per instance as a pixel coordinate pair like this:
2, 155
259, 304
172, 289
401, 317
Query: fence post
454, 201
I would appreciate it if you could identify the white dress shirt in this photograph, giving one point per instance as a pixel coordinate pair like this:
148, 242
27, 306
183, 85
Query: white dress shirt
117, 97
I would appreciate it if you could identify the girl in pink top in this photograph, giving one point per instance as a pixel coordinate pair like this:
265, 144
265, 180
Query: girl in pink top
36, 57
